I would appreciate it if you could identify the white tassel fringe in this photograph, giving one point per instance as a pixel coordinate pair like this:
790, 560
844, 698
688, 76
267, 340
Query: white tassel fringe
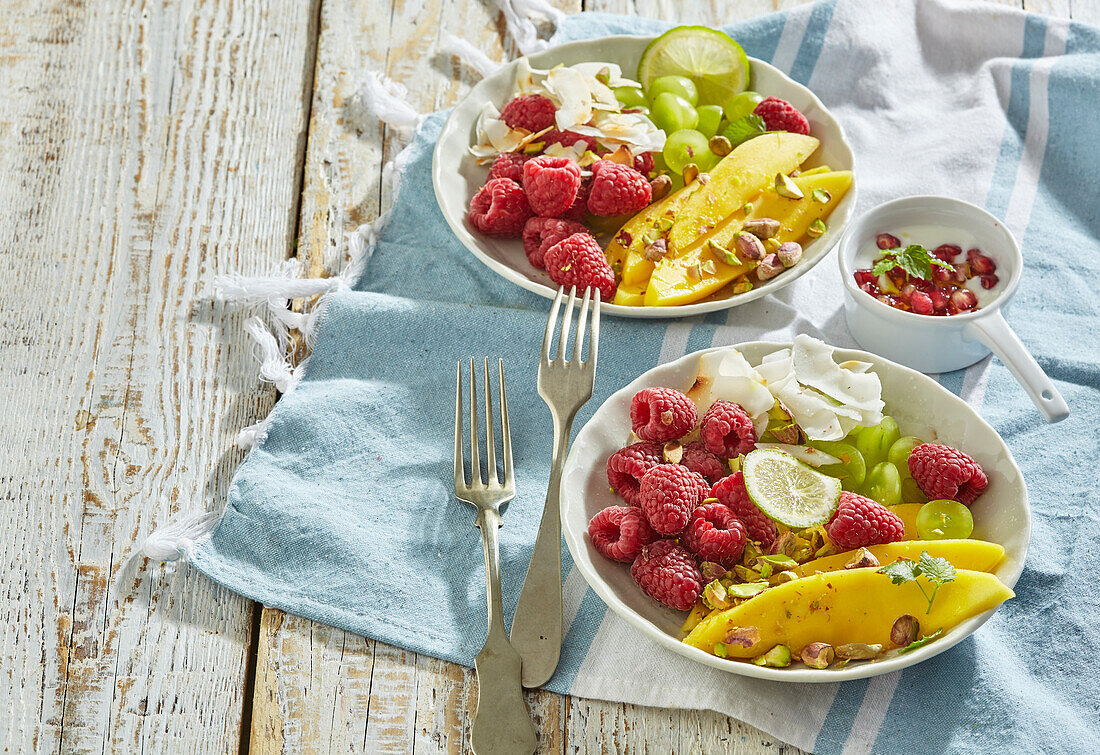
470, 55
176, 539
517, 19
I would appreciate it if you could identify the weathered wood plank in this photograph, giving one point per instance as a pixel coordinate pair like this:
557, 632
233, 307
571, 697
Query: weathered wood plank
145, 147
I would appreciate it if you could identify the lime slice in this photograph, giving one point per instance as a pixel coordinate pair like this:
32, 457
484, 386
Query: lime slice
789, 491
717, 64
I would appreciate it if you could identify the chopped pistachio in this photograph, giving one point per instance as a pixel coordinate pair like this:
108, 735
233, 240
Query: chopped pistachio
787, 187
714, 595
695, 272
533, 147
822, 196
720, 145
690, 173
778, 559
722, 253
771, 246
709, 267
817, 228
778, 657
747, 208
712, 570
765, 570
786, 576
742, 287
826, 550
745, 574
673, 452
746, 637
720, 649
858, 651
818, 655
746, 590
660, 187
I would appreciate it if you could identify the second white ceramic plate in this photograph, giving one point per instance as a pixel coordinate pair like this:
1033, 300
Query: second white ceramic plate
920, 405
457, 177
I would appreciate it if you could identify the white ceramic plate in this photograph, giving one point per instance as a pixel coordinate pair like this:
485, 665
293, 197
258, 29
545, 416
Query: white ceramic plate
921, 406
457, 177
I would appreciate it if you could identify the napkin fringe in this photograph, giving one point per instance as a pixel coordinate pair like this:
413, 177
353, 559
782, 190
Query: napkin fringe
520, 25
469, 55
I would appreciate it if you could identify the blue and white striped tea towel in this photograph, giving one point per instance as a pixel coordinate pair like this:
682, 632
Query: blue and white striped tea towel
343, 511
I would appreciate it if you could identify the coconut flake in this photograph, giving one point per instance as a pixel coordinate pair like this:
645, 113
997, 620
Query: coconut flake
574, 98
815, 367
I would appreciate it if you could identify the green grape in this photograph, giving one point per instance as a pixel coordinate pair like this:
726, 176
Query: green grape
911, 492
944, 519
899, 453
709, 118
884, 484
874, 442
740, 105
851, 471
671, 112
630, 97
681, 86
687, 146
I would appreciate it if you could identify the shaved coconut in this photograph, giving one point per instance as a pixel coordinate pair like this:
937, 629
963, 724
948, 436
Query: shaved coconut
574, 151
574, 97
808, 454
632, 129
727, 375
814, 366
814, 416
853, 365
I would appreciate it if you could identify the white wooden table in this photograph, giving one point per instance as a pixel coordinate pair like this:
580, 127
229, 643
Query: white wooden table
145, 148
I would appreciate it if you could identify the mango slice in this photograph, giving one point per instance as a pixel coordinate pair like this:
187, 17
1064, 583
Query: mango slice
977, 555
642, 224
858, 605
630, 295
683, 280
698, 613
796, 215
739, 177
907, 513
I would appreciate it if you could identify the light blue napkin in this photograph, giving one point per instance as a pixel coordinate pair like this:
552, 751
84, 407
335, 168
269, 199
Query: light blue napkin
345, 513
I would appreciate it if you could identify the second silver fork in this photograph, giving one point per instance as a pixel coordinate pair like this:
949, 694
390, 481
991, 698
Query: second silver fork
565, 385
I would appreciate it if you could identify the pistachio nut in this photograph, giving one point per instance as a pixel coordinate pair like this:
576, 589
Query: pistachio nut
826, 550
858, 651
751, 553
690, 173
818, 655
709, 267
749, 245
769, 267
660, 186
817, 228
742, 287
673, 452
655, 250
784, 544
711, 570
714, 595
746, 637
905, 630
785, 576
789, 253
778, 657
862, 558
761, 228
786, 187
771, 246
720, 145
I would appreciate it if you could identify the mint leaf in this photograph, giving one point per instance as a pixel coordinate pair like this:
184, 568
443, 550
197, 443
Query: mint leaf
937, 570
921, 642
913, 259
884, 265
744, 129
901, 571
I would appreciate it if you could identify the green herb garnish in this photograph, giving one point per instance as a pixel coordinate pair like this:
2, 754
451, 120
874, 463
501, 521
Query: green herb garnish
913, 259
938, 571
921, 642
744, 129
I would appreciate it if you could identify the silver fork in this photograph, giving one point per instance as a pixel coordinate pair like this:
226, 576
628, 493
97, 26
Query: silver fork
565, 386
501, 722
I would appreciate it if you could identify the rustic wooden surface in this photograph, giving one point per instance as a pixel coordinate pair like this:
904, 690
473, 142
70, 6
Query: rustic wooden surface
145, 148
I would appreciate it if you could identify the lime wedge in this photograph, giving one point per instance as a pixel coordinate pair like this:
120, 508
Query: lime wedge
789, 491
717, 64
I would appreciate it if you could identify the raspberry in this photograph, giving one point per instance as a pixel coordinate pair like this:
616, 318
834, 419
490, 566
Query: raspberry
620, 532
579, 210
943, 472
715, 534
727, 429
500, 209
643, 163
661, 414
731, 492
617, 189
539, 234
668, 494
577, 260
551, 184
531, 111
780, 115
701, 461
667, 573
508, 165
859, 521
626, 466
568, 139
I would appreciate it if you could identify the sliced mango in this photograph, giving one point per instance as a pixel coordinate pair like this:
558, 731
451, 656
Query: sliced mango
858, 605
907, 513
739, 177
642, 224
630, 296
698, 612
977, 555
796, 215
683, 280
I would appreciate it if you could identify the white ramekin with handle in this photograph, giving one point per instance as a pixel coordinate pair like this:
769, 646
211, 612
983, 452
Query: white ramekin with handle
936, 343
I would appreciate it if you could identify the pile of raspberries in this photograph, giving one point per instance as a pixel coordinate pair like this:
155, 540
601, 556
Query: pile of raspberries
545, 199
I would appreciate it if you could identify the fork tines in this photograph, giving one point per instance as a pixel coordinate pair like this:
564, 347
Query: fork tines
477, 479
590, 303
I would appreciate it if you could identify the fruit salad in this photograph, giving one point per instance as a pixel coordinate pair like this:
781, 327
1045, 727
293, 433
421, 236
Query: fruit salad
670, 189
913, 279
791, 518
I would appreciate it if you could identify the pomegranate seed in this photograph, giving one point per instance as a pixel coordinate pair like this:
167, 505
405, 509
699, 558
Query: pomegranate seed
980, 264
907, 291
870, 288
887, 241
939, 299
989, 281
962, 272
964, 299
943, 275
865, 276
921, 303
947, 252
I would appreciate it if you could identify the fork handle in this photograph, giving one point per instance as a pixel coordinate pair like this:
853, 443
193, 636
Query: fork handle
502, 723
537, 624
